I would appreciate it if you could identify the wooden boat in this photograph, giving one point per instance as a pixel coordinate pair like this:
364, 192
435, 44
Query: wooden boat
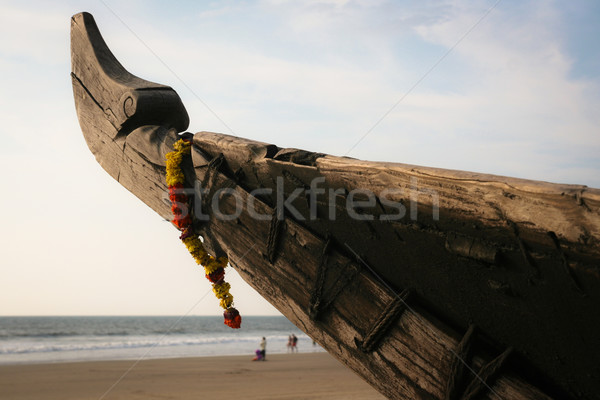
428, 283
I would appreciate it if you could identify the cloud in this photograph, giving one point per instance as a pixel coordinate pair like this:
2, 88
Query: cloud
503, 101
523, 90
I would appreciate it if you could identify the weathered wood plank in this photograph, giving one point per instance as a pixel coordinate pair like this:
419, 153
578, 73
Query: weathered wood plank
474, 209
410, 362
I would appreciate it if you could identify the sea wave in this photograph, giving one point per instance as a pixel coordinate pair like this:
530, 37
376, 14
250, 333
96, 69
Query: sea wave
60, 339
109, 343
16, 335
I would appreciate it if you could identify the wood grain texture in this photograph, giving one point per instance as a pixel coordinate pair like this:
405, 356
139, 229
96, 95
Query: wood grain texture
518, 258
413, 359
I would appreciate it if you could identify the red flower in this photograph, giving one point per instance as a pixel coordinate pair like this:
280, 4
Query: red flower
233, 319
178, 198
182, 223
216, 276
177, 194
175, 188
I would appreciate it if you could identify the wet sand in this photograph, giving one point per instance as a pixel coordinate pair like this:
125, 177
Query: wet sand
282, 376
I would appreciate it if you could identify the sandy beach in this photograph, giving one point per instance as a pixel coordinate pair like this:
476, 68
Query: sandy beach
282, 376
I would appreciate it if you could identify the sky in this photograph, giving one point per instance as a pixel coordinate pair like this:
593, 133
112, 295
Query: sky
502, 87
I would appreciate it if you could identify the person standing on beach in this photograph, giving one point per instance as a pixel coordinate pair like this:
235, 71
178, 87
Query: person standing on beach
294, 342
263, 348
289, 343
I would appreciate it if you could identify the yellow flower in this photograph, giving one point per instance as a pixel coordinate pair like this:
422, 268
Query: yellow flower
182, 146
221, 290
212, 266
226, 302
173, 161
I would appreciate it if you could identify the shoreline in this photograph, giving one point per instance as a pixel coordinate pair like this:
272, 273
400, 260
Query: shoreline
40, 340
283, 376
131, 355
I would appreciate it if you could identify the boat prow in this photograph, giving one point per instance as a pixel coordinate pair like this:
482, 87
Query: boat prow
118, 112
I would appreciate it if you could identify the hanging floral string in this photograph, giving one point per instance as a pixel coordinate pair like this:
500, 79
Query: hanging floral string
214, 268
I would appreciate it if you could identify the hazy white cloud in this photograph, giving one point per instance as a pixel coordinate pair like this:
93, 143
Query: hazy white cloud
521, 90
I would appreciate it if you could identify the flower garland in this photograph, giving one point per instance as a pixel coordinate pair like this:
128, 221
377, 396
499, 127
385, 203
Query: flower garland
214, 268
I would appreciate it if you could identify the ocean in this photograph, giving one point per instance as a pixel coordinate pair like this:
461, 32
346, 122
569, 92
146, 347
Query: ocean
64, 339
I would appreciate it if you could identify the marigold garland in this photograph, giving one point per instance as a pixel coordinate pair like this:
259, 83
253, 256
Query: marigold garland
214, 268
